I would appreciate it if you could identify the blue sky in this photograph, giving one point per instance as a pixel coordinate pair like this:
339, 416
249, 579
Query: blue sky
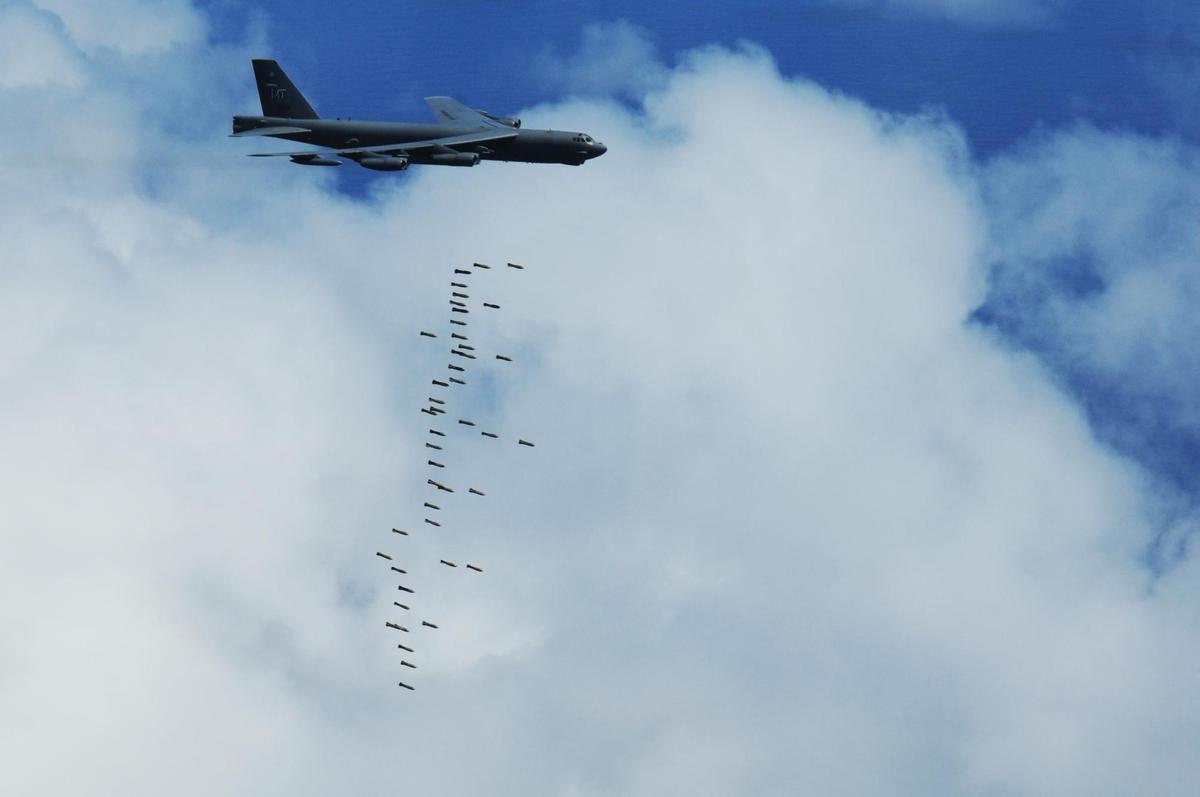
1097, 60
860, 368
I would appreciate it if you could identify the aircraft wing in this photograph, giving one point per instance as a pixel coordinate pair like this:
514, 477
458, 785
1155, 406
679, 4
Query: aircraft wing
446, 142
452, 112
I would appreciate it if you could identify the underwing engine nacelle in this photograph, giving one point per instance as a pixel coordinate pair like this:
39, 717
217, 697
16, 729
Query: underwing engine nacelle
454, 158
384, 163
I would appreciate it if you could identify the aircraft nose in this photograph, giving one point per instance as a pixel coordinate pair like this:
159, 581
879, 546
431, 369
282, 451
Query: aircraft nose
599, 148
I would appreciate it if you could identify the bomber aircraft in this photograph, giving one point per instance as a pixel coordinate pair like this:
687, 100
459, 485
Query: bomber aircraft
462, 137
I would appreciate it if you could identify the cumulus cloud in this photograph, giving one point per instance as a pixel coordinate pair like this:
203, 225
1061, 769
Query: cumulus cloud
613, 58
1095, 268
32, 53
129, 27
791, 524
982, 13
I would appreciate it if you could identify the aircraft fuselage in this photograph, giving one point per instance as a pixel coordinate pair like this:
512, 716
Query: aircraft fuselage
527, 145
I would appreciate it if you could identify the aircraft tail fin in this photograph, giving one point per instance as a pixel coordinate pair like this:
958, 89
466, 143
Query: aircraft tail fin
279, 96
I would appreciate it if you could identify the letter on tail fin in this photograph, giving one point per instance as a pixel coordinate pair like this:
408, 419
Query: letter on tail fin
279, 96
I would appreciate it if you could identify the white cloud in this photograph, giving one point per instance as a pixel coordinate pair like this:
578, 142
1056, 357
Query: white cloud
32, 53
130, 27
1095, 251
789, 519
613, 58
983, 13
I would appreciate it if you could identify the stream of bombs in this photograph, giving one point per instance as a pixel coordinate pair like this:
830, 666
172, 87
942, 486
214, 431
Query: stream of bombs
464, 355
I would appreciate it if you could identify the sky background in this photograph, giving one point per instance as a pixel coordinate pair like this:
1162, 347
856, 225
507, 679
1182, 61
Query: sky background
1003, 72
999, 70
860, 370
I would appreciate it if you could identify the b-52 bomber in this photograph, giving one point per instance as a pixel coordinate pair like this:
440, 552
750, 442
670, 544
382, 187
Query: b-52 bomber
462, 137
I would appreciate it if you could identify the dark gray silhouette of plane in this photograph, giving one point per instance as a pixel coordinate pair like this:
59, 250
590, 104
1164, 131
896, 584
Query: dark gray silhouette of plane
463, 136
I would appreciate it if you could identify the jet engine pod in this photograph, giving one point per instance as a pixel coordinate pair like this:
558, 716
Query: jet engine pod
384, 163
315, 160
454, 158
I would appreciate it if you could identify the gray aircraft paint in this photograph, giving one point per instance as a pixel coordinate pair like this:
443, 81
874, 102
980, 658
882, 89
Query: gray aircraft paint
463, 138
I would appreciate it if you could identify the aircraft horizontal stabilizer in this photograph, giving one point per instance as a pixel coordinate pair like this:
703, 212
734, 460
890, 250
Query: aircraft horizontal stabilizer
270, 131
